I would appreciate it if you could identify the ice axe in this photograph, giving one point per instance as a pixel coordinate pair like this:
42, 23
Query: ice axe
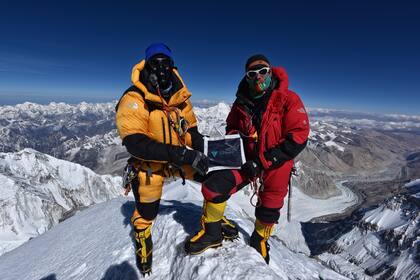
293, 172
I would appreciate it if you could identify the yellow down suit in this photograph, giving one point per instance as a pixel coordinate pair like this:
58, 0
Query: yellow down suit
142, 112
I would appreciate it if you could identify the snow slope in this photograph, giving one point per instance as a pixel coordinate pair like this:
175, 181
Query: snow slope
37, 190
303, 209
96, 244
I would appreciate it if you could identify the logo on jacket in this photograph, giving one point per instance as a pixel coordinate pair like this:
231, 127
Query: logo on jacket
301, 110
133, 105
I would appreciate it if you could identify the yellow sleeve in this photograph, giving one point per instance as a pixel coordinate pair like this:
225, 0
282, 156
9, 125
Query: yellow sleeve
132, 116
189, 114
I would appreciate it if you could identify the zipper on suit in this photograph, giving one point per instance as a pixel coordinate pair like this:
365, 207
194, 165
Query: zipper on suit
164, 130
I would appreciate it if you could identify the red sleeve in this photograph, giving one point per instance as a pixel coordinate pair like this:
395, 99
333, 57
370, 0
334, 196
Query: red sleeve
295, 131
295, 120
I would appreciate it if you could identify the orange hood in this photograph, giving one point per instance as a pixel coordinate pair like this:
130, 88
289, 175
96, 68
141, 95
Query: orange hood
176, 99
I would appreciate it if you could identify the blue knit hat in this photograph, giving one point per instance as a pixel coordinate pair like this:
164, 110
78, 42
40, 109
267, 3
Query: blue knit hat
158, 48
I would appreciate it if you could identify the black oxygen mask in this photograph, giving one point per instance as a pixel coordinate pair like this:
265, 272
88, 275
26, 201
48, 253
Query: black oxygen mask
161, 67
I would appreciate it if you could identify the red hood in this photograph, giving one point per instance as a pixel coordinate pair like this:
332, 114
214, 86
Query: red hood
281, 74
280, 93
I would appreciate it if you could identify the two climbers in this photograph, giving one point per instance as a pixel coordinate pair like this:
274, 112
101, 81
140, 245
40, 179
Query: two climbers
156, 122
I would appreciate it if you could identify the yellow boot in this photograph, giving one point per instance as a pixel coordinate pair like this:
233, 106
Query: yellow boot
259, 239
210, 235
229, 230
144, 243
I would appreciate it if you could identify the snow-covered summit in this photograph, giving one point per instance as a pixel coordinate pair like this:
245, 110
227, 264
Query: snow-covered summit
36, 191
96, 244
212, 120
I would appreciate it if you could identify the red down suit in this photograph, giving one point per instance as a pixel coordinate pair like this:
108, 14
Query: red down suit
275, 130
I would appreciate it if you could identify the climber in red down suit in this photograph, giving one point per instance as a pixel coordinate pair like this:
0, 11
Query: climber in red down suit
274, 125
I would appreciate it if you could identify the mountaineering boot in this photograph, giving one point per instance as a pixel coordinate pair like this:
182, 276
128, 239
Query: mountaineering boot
259, 239
210, 235
261, 245
229, 230
144, 248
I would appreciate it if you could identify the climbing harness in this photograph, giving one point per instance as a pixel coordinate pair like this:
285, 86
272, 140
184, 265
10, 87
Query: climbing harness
257, 185
180, 126
129, 174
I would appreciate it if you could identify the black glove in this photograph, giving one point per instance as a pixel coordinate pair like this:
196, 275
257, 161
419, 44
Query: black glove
180, 156
276, 156
198, 161
251, 168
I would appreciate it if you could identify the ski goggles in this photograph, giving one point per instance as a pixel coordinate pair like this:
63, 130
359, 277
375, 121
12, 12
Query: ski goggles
252, 74
159, 62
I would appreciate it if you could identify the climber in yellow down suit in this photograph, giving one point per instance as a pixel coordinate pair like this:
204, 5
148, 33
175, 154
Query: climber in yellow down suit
156, 122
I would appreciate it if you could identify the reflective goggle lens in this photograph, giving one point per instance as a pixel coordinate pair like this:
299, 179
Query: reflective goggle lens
253, 73
160, 62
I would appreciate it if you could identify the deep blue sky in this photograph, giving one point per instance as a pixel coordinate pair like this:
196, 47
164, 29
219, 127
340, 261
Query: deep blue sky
359, 55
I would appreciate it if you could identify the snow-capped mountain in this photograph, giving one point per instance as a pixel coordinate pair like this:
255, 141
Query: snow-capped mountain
212, 120
73, 132
392, 122
342, 144
37, 190
340, 141
96, 244
104, 153
384, 241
